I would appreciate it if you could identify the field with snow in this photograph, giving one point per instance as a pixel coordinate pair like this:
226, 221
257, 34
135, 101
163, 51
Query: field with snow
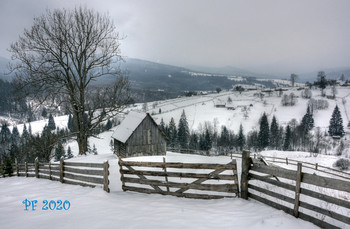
93, 208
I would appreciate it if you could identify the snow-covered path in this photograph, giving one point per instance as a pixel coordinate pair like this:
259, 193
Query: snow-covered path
94, 208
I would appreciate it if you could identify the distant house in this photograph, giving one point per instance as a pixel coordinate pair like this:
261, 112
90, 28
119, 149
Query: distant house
138, 135
219, 104
230, 107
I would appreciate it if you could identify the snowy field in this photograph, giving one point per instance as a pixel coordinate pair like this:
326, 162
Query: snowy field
94, 208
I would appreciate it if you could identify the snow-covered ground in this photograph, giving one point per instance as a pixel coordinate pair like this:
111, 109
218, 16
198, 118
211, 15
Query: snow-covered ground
94, 208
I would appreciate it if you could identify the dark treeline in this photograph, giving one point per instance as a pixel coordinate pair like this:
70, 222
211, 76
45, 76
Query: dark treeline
296, 136
47, 145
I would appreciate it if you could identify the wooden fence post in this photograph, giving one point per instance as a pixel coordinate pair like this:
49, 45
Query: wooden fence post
50, 173
121, 173
316, 166
245, 170
297, 190
61, 169
286, 160
166, 175
105, 176
17, 169
36, 167
26, 168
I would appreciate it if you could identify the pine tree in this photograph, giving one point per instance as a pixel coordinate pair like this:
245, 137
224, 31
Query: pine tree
241, 138
51, 124
194, 141
59, 151
5, 133
162, 125
287, 138
172, 133
69, 153
8, 167
44, 113
183, 131
336, 124
274, 133
224, 139
94, 150
108, 125
264, 132
15, 137
307, 123
25, 133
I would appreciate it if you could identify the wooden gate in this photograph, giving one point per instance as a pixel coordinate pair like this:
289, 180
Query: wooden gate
192, 180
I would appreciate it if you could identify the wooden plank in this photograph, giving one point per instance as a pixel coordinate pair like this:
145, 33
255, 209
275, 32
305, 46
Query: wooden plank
271, 203
273, 194
246, 162
231, 188
201, 180
275, 171
271, 181
329, 213
297, 190
144, 178
229, 166
316, 221
183, 175
326, 182
187, 195
92, 165
96, 180
48, 173
329, 199
84, 171
78, 183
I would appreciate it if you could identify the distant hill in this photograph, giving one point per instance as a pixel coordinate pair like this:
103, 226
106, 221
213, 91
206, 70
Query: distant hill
333, 73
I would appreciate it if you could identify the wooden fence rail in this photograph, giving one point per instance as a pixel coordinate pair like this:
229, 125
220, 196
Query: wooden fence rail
172, 178
84, 174
258, 174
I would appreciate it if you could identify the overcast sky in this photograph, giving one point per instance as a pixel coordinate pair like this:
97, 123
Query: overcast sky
263, 35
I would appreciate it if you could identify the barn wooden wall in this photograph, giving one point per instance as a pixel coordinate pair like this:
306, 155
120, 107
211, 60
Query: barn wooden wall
146, 140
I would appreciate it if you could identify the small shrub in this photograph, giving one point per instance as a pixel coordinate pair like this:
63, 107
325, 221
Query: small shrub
342, 164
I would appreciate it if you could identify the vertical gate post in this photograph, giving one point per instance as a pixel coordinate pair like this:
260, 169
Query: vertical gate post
17, 169
297, 190
105, 176
50, 173
121, 173
246, 161
26, 168
36, 167
61, 169
166, 175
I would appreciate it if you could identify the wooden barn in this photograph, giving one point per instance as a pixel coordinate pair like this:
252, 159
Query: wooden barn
139, 135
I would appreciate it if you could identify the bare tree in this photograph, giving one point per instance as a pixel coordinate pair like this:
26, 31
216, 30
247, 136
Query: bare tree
58, 58
293, 78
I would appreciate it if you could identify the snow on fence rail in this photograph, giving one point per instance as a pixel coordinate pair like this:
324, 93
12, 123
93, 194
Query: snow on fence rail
84, 174
321, 200
313, 166
191, 180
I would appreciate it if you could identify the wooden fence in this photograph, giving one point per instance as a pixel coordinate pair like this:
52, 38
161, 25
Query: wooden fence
191, 180
77, 173
300, 195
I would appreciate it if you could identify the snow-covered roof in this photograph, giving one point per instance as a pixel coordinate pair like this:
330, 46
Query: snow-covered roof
128, 126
